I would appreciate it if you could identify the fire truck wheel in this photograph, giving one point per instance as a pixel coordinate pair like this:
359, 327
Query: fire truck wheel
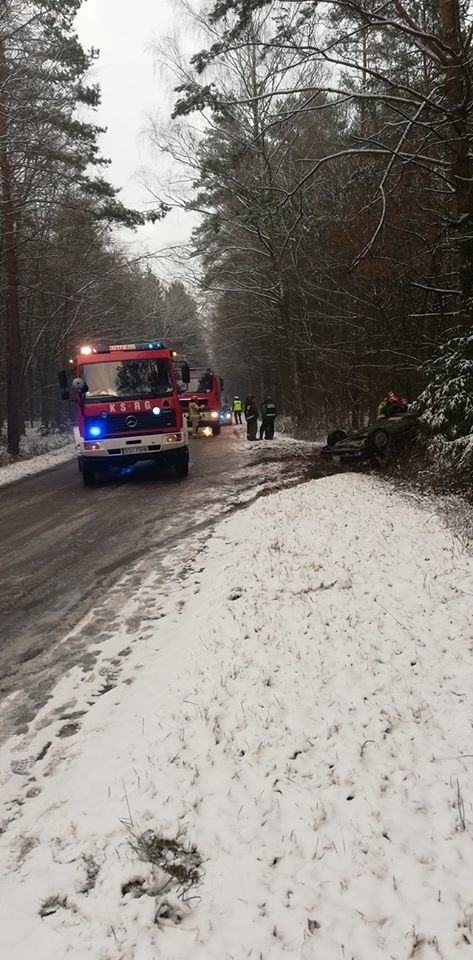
181, 463
88, 474
216, 429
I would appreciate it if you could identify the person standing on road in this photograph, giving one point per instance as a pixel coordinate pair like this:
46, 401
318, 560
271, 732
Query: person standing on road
237, 409
251, 417
268, 415
194, 416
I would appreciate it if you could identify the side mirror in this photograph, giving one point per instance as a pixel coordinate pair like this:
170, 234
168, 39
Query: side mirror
62, 378
185, 373
221, 382
80, 385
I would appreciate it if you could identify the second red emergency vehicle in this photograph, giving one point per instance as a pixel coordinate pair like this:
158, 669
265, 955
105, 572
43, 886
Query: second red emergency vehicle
206, 387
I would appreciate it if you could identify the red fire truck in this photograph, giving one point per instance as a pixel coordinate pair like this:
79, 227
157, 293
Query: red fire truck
127, 407
207, 387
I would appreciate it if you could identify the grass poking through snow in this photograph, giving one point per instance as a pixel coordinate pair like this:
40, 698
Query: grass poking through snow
181, 863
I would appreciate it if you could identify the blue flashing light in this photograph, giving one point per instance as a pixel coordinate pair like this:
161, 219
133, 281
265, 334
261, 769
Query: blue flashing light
95, 431
138, 345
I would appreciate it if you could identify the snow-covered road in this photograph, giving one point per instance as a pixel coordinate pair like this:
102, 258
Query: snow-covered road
272, 756
64, 547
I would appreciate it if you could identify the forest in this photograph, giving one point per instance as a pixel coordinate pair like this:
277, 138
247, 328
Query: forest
332, 170
64, 276
328, 157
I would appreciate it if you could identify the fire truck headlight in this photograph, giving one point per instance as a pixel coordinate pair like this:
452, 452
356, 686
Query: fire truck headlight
95, 431
214, 415
156, 411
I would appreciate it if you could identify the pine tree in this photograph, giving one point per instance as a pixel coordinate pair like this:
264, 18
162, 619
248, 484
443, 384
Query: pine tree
49, 157
403, 74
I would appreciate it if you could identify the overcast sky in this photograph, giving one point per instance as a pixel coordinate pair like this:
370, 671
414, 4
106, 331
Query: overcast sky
123, 30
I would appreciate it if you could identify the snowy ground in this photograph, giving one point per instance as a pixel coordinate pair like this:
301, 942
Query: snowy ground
295, 701
37, 453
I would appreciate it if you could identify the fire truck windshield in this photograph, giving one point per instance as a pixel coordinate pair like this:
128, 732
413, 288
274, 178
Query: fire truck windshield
127, 378
203, 384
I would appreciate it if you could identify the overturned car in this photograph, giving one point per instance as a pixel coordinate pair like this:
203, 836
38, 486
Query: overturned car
375, 442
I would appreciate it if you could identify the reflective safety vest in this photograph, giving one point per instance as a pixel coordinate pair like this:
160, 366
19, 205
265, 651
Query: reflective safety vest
269, 409
237, 406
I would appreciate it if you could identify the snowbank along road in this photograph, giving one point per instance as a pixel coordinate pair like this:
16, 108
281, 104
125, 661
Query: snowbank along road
271, 756
63, 547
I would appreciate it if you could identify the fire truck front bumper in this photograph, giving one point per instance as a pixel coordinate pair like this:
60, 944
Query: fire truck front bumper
126, 450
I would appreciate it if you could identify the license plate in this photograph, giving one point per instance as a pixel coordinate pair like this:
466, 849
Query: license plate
134, 450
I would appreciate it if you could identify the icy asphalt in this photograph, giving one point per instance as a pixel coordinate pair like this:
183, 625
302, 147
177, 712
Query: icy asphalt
67, 550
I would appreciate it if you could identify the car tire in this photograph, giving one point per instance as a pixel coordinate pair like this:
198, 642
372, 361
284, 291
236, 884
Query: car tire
216, 429
379, 440
335, 436
181, 464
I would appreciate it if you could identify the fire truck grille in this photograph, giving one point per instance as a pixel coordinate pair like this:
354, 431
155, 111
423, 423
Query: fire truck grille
115, 424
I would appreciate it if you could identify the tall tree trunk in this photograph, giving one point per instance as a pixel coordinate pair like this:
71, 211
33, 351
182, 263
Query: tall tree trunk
458, 92
12, 320
294, 395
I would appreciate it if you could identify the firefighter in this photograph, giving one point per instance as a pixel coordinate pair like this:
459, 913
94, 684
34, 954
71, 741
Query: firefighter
268, 415
251, 417
388, 400
237, 408
194, 416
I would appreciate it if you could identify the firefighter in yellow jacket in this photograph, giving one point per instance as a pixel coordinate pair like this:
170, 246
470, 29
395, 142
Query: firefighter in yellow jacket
194, 416
383, 406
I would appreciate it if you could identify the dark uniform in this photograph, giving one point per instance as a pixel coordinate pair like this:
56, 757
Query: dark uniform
251, 417
268, 416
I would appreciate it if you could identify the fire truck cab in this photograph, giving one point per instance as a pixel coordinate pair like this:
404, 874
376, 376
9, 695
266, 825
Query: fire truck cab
207, 387
127, 407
